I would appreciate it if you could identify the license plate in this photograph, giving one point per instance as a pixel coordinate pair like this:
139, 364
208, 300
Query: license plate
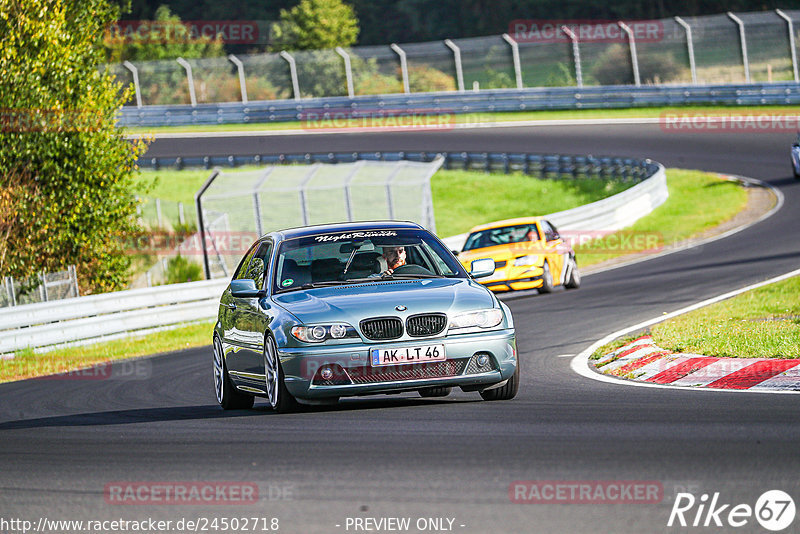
395, 356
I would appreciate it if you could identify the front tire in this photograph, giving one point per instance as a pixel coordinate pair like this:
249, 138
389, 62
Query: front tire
227, 395
505, 392
547, 279
278, 396
574, 280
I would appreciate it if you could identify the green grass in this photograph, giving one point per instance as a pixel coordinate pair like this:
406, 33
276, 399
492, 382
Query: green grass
697, 201
482, 118
27, 364
763, 323
463, 199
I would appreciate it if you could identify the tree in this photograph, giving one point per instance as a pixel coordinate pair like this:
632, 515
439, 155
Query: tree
315, 25
65, 168
169, 39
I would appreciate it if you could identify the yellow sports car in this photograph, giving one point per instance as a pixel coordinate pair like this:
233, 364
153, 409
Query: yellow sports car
528, 253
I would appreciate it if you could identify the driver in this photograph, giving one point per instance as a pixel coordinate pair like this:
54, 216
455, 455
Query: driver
396, 262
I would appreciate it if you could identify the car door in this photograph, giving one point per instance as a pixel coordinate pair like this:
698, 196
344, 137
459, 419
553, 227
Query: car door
252, 317
232, 340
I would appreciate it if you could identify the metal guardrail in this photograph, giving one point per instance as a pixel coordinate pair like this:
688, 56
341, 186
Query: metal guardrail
110, 314
608, 214
313, 111
553, 166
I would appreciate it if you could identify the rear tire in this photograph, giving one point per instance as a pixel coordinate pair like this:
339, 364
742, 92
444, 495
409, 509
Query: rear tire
435, 392
228, 396
506, 392
574, 280
547, 279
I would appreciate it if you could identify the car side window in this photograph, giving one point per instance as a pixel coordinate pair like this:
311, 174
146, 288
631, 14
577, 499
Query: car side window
241, 271
258, 265
550, 233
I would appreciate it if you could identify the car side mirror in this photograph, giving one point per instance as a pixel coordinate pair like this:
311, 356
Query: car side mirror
245, 288
482, 268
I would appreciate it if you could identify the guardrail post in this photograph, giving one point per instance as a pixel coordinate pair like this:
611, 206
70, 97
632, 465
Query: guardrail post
292, 72
457, 57
576, 55
348, 71
690, 47
743, 41
198, 200
131, 67
403, 66
634, 58
188, 68
515, 56
788, 20
240, 68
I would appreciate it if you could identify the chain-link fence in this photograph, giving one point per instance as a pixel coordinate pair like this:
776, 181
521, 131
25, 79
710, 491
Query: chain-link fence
39, 288
716, 49
156, 213
237, 207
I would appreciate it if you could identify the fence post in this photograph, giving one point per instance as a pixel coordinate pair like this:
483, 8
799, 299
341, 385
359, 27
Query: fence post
158, 213
240, 68
788, 20
348, 71
181, 216
303, 200
198, 200
576, 55
403, 66
457, 57
292, 72
73, 275
12, 295
690, 47
515, 57
43, 286
188, 68
742, 39
634, 58
131, 67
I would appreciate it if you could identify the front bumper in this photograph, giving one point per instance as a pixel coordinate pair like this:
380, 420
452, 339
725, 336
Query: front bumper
354, 376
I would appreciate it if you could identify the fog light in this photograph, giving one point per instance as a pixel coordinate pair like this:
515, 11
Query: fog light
326, 373
482, 360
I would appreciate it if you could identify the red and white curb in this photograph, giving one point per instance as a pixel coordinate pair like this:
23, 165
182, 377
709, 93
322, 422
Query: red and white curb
643, 361
777, 383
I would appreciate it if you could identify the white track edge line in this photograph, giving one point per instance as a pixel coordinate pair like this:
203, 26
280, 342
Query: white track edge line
580, 363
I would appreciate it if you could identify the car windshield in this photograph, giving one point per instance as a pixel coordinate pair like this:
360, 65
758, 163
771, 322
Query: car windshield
502, 236
361, 256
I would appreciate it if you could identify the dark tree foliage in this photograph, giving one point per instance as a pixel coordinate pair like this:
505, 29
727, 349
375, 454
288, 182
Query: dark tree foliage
403, 21
65, 168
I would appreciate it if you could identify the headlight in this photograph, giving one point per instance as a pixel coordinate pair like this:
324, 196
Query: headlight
322, 332
480, 319
522, 261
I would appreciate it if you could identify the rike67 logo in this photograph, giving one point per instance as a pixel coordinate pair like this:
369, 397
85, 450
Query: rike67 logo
774, 510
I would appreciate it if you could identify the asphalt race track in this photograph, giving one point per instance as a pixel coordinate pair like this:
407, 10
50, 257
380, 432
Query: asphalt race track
63, 441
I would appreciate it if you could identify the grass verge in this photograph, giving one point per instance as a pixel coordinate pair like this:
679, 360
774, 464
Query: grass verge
698, 201
763, 323
28, 364
476, 119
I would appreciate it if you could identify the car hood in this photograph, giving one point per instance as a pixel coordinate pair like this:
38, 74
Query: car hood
352, 303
